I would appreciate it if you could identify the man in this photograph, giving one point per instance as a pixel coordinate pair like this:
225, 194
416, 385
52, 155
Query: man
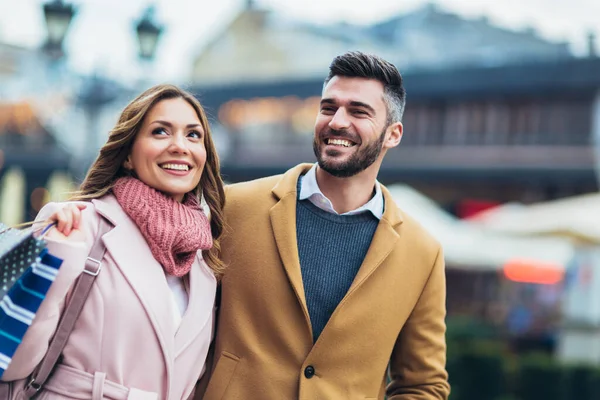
329, 283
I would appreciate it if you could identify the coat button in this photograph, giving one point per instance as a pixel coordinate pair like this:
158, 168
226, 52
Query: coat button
309, 372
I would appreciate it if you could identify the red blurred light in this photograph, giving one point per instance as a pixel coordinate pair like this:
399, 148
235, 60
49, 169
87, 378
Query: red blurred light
469, 208
532, 271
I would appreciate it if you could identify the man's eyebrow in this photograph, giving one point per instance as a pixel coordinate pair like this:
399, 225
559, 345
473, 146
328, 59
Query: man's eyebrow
353, 103
363, 105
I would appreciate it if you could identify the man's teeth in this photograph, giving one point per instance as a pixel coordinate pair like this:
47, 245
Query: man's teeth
340, 142
178, 167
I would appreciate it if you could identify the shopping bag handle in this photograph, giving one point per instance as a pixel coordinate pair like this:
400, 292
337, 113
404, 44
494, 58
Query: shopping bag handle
31, 223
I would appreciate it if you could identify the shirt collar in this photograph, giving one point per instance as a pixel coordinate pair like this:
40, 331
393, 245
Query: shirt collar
309, 189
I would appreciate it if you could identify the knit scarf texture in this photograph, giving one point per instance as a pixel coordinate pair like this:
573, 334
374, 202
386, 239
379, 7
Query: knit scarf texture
174, 231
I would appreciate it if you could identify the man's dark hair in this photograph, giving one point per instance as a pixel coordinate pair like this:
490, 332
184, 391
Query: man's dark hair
355, 64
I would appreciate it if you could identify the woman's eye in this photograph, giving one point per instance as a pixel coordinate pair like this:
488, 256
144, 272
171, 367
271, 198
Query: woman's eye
159, 131
195, 134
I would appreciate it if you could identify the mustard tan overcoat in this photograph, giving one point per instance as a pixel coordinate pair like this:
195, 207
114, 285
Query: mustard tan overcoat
393, 314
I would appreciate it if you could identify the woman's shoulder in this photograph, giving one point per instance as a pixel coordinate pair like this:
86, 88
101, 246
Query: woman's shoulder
50, 208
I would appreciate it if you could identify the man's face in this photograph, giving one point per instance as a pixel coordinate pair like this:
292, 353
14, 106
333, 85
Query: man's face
351, 126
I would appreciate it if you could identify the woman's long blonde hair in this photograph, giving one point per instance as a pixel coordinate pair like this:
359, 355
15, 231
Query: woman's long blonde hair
108, 166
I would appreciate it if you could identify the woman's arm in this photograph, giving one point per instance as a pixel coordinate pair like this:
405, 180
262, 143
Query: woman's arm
66, 241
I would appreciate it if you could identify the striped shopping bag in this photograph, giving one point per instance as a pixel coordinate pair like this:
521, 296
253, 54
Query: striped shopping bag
26, 272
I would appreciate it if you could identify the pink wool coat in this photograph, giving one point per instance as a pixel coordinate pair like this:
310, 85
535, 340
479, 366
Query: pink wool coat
125, 344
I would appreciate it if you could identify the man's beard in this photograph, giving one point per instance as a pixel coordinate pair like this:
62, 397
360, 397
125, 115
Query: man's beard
358, 162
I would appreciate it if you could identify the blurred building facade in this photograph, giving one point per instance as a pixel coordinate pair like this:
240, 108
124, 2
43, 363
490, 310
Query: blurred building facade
433, 38
31, 158
493, 115
261, 46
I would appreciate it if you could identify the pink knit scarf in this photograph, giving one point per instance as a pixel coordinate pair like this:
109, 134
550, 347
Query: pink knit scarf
174, 231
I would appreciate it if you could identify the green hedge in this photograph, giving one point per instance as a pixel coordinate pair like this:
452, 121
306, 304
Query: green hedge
539, 377
484, 370
479, 375
482, 367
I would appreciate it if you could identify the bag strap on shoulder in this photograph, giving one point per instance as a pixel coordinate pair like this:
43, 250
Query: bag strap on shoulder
93, 265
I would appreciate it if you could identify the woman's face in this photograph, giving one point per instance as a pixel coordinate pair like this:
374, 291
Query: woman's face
168, 153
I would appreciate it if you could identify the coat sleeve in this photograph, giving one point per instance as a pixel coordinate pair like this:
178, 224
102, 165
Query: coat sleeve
418, 362
35, 343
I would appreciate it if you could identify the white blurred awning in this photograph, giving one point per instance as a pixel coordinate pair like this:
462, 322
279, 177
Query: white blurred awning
576, 217
473, 247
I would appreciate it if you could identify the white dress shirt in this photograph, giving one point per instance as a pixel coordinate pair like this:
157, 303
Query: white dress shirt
309, 189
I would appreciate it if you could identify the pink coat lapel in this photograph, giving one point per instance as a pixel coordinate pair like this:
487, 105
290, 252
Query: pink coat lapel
130, 253
200, 307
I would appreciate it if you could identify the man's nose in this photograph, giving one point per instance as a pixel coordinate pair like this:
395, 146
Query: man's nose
340, 120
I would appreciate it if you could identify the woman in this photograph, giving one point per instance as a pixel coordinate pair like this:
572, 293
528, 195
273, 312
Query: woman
146, 326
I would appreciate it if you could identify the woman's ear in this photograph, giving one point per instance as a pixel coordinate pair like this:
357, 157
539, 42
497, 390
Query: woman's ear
127, 164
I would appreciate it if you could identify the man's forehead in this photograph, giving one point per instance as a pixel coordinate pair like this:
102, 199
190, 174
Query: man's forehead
345, 89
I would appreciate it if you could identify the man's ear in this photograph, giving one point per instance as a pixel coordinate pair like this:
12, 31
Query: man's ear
395, 132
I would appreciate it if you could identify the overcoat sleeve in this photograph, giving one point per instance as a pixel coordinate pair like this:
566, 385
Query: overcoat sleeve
418, 362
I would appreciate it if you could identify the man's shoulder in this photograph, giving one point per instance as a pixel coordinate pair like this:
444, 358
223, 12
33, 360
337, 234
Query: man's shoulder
417, 229
411, 229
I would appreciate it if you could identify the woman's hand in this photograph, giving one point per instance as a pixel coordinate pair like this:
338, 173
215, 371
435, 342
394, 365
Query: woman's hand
68, 222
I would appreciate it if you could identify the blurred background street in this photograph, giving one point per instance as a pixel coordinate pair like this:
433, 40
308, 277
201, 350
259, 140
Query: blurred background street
500, 159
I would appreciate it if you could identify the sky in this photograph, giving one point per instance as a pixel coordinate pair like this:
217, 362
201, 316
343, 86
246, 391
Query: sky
102, 36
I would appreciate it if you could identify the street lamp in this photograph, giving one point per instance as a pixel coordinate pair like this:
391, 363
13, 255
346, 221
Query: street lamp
58, 16
148, 33
95, 94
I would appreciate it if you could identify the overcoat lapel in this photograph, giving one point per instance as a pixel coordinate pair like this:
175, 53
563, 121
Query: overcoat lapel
283, 223
384, 241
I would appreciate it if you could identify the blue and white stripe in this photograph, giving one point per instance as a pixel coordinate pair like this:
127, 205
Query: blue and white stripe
15, 311
21, 302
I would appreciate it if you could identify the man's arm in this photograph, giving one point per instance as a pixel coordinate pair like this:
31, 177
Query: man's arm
418, 362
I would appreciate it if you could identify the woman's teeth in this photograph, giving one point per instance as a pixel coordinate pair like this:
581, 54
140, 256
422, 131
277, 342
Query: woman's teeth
177, 167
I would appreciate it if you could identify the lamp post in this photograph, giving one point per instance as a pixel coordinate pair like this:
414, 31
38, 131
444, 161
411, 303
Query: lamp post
148, 33
58, 16
95, 94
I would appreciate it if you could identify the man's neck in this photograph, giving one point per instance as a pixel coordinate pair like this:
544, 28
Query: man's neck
346, 194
